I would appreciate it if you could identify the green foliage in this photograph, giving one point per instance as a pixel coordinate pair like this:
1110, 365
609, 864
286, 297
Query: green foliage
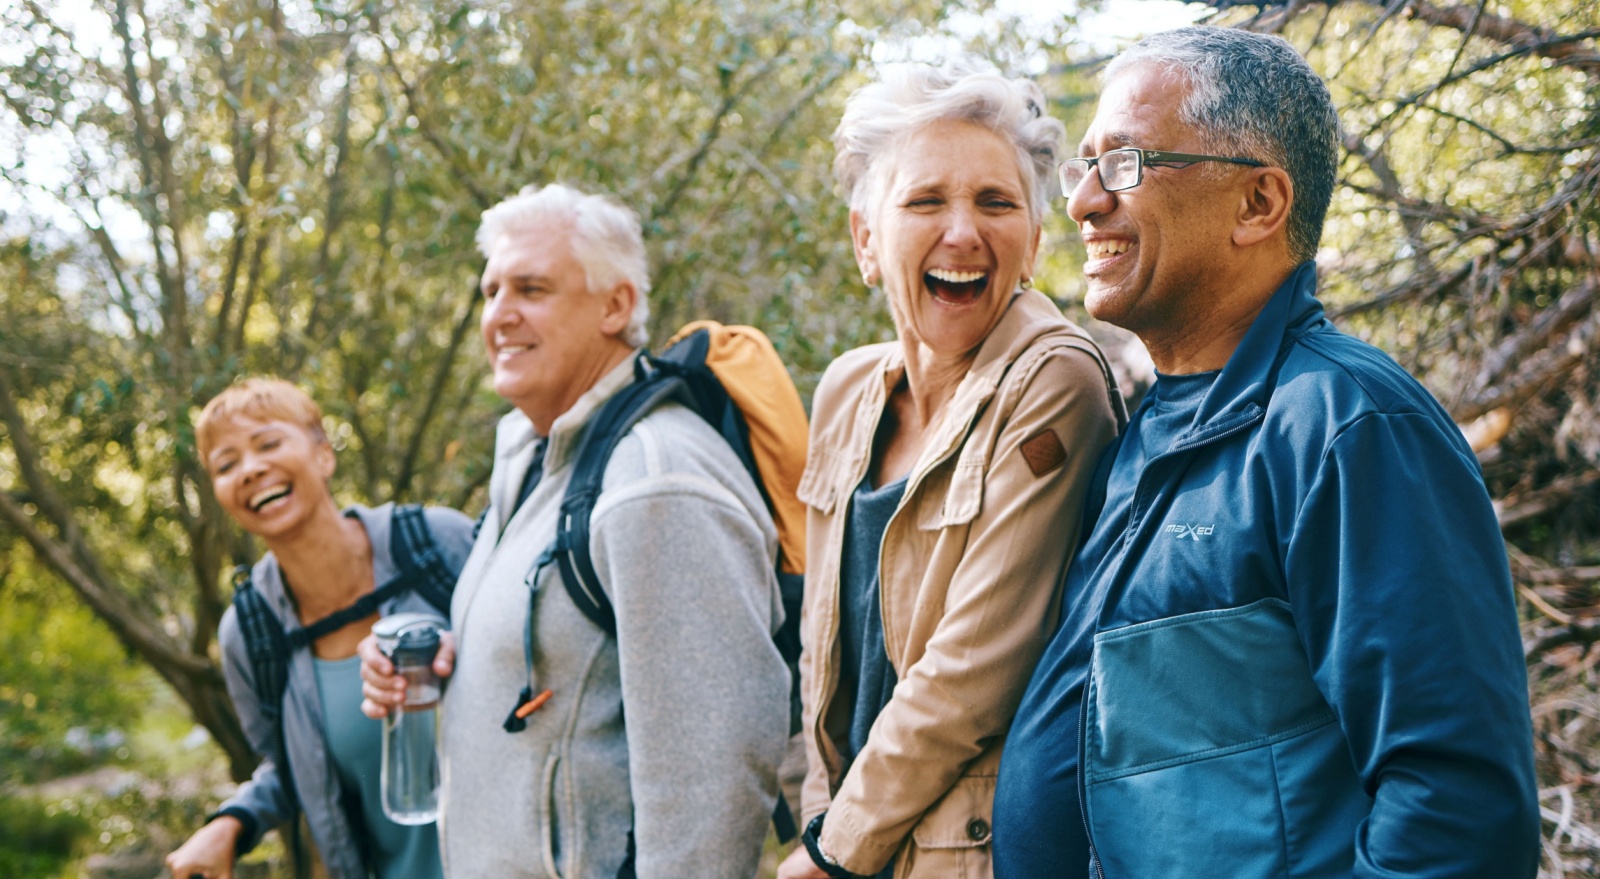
69, 694
37, 840
242, 188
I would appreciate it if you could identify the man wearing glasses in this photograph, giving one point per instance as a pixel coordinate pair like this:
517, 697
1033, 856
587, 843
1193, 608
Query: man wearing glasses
1288, 643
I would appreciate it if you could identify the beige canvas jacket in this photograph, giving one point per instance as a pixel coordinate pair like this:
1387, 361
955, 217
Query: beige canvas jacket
970, 569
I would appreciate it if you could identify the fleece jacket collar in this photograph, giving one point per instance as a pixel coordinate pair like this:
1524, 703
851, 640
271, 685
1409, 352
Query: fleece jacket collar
516, 439
1245, 384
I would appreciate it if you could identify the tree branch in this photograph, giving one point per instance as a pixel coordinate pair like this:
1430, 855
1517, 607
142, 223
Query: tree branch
1520, 508
436, 389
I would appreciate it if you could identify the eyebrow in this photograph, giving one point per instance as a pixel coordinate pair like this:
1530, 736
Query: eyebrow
484, 282
1121, 139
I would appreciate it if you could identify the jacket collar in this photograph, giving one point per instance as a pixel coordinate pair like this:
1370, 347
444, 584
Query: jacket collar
1245, 384
516, 440
1023, 323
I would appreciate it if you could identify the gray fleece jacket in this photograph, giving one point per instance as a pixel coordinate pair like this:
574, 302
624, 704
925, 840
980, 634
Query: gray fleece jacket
685, 549
263, 803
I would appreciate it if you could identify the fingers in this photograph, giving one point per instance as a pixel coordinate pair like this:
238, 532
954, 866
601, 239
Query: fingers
444, 662
372, 659
798, 865
381, 688
207, 854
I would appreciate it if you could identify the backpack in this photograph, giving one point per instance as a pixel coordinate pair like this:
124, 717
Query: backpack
270, 646
731, 377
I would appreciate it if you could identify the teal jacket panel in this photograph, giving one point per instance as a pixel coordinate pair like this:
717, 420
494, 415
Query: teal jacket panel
1289, 643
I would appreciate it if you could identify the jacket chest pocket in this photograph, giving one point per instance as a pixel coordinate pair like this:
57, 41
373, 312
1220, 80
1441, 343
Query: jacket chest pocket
952, 839
822, 484
1206, 725
950, 495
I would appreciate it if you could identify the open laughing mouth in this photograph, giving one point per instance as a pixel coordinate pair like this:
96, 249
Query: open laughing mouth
956, 288
1103, 251
260, 499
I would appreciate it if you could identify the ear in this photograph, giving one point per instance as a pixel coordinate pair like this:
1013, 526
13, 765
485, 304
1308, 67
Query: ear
1264, 208
1031, 259
861, 238
616, 307
326, 460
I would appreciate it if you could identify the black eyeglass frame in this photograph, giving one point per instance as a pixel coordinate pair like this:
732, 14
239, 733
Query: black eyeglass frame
1142, 158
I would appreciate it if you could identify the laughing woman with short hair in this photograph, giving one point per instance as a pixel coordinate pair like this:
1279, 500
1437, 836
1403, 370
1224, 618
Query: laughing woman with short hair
263, 445
944, 479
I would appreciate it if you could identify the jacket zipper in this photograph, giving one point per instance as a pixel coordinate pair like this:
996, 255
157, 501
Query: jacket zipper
828, 685
1083, 784
913, 481
1083, 702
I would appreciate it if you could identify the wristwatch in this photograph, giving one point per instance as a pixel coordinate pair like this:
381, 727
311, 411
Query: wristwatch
812, 840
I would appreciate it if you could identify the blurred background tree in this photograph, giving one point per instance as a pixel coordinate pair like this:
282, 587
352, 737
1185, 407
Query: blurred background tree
199, 190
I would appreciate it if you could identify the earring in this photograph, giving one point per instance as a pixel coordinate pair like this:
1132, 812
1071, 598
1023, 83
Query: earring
1027, 283
866, 279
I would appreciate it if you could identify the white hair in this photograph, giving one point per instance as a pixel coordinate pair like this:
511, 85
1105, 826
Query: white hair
606, 238
907, 97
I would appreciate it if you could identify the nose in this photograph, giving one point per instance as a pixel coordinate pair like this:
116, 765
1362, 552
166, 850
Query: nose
1090, 199
962, 230
251, 466
495, 312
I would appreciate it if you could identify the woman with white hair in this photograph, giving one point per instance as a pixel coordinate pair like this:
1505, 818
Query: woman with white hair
944, 479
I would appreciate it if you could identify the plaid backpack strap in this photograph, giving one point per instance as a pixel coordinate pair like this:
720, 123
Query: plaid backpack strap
417, 557
265, 643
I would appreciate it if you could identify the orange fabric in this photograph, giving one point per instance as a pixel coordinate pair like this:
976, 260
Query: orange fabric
743, 359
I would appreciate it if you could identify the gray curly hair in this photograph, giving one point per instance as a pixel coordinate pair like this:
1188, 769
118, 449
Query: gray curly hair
906, 97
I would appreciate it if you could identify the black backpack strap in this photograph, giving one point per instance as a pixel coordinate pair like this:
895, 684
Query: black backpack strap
361, 608
571, 547
264, 643
268, 650
658, 379
416, 555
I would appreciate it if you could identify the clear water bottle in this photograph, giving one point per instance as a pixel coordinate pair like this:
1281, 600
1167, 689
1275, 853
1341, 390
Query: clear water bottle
409, 780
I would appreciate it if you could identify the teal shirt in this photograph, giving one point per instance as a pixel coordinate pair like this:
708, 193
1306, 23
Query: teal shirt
355, 742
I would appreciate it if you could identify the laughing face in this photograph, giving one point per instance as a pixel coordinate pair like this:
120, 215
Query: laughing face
950, 237
271, 476
1153, 248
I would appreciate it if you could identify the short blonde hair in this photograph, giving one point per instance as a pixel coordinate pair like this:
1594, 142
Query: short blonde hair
260, 398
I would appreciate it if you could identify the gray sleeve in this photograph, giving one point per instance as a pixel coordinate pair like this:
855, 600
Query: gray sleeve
264, 798
704, 690
452, 533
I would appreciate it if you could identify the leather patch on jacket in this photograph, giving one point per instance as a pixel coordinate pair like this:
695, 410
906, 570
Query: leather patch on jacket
1044, 452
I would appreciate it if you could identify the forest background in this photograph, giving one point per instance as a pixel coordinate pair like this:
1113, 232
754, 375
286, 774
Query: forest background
191, 190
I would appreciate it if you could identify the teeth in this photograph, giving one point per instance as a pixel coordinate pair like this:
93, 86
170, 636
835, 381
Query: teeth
262, 498
950, 277
1102, 249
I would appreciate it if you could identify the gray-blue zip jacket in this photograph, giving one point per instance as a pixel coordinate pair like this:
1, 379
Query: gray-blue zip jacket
263, 802
1292, 651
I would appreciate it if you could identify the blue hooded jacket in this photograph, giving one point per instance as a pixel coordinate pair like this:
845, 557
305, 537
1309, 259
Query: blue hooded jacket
1289, 650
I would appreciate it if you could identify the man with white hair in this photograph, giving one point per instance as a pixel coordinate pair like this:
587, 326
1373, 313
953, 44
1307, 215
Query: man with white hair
1289, 645
655, 752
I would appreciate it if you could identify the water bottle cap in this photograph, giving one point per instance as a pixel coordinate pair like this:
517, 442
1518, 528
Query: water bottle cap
408, 636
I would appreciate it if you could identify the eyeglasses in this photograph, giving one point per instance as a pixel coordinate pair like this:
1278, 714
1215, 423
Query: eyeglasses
1124, 168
